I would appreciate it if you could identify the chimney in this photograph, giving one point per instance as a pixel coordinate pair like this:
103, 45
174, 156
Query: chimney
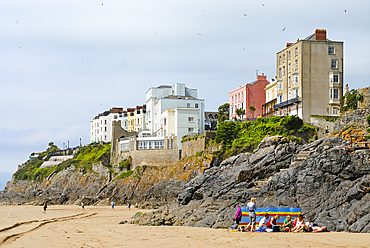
289, 44
320, 34
261, 77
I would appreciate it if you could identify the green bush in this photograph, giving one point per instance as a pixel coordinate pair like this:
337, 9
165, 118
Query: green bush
368, 120
125, 174
125, 163
237, 137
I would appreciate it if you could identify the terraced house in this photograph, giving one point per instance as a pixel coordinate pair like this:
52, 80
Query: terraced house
309, 77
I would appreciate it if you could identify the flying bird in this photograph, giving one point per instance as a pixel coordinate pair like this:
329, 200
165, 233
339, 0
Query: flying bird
199, 34
245, 14
101, 4
101, 104
263, 5
244, 48
345, 11
284, 29
16, 22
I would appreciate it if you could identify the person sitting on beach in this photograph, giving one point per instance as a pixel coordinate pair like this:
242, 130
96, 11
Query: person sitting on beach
298, 224
263, 223
287, 225
308, 226
251, 207
272, 221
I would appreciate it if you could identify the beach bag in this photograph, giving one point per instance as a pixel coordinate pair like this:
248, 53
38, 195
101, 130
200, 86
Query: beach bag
276, 228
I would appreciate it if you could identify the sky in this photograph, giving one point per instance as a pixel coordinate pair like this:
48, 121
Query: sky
63, 62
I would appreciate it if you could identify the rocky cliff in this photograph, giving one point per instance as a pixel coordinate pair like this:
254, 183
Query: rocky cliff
331, 185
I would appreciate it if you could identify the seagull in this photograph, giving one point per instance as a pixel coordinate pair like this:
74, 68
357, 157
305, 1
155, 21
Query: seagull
199, 34
244, 48
101, 4
345, 11
284, 29
16, 22
263, 5
20, 47
245, 14
101, 104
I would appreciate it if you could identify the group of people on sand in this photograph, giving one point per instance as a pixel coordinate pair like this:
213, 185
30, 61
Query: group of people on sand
265, 223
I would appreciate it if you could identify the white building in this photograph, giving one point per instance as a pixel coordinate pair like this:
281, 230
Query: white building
174, 111
101, 126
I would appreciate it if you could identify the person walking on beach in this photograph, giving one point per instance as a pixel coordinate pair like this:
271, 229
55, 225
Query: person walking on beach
45, 207
251, 207
136, 205
128, 205
112, 203
82, 205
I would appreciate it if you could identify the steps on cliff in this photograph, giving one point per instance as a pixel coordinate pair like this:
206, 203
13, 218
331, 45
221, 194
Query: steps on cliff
302, 155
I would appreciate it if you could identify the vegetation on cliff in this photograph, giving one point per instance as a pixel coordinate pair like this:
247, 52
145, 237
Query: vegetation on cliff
84, 159
239, 137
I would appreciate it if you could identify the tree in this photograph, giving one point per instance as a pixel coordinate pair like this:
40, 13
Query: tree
349, 101
223, 112
240, 112
252, 109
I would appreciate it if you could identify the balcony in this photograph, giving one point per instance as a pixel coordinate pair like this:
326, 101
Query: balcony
334, 101
291, 101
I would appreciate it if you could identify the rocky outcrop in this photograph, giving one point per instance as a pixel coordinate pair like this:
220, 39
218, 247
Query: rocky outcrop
330, 185
355, 118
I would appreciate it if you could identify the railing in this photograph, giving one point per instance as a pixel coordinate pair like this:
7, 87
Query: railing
293, 100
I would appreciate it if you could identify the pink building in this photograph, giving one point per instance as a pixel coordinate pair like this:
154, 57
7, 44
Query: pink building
252, 93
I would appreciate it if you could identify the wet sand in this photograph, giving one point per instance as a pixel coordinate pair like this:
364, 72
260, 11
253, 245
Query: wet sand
69, 226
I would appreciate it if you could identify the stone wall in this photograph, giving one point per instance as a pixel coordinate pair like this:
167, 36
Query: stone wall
198, 144
158, 157
365, 102
118, 132
356, 118
321, 123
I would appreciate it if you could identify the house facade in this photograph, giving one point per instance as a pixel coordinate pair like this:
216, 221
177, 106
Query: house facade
310, 77
271, 100
101, 125
250, 94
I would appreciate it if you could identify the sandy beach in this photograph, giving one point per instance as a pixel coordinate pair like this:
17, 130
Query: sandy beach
69, 226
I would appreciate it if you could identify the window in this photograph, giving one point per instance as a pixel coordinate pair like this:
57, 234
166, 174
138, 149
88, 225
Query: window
296, 51
279, 98
289, 81
115, 117
242, 105
105, 122
105, 137
279, 72
334, 78
105, 129
296, 64
190, 129
331, 50
232, 109
289, 54
335, 111
295, 92
165, 121
334, 64
283, 58
289, 68
289, 95
279, 85
334, 94
196, 105
279, 59
188, 105
295, 79
190, 119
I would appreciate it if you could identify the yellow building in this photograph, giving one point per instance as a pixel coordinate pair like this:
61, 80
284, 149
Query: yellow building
268, 107
310, 77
